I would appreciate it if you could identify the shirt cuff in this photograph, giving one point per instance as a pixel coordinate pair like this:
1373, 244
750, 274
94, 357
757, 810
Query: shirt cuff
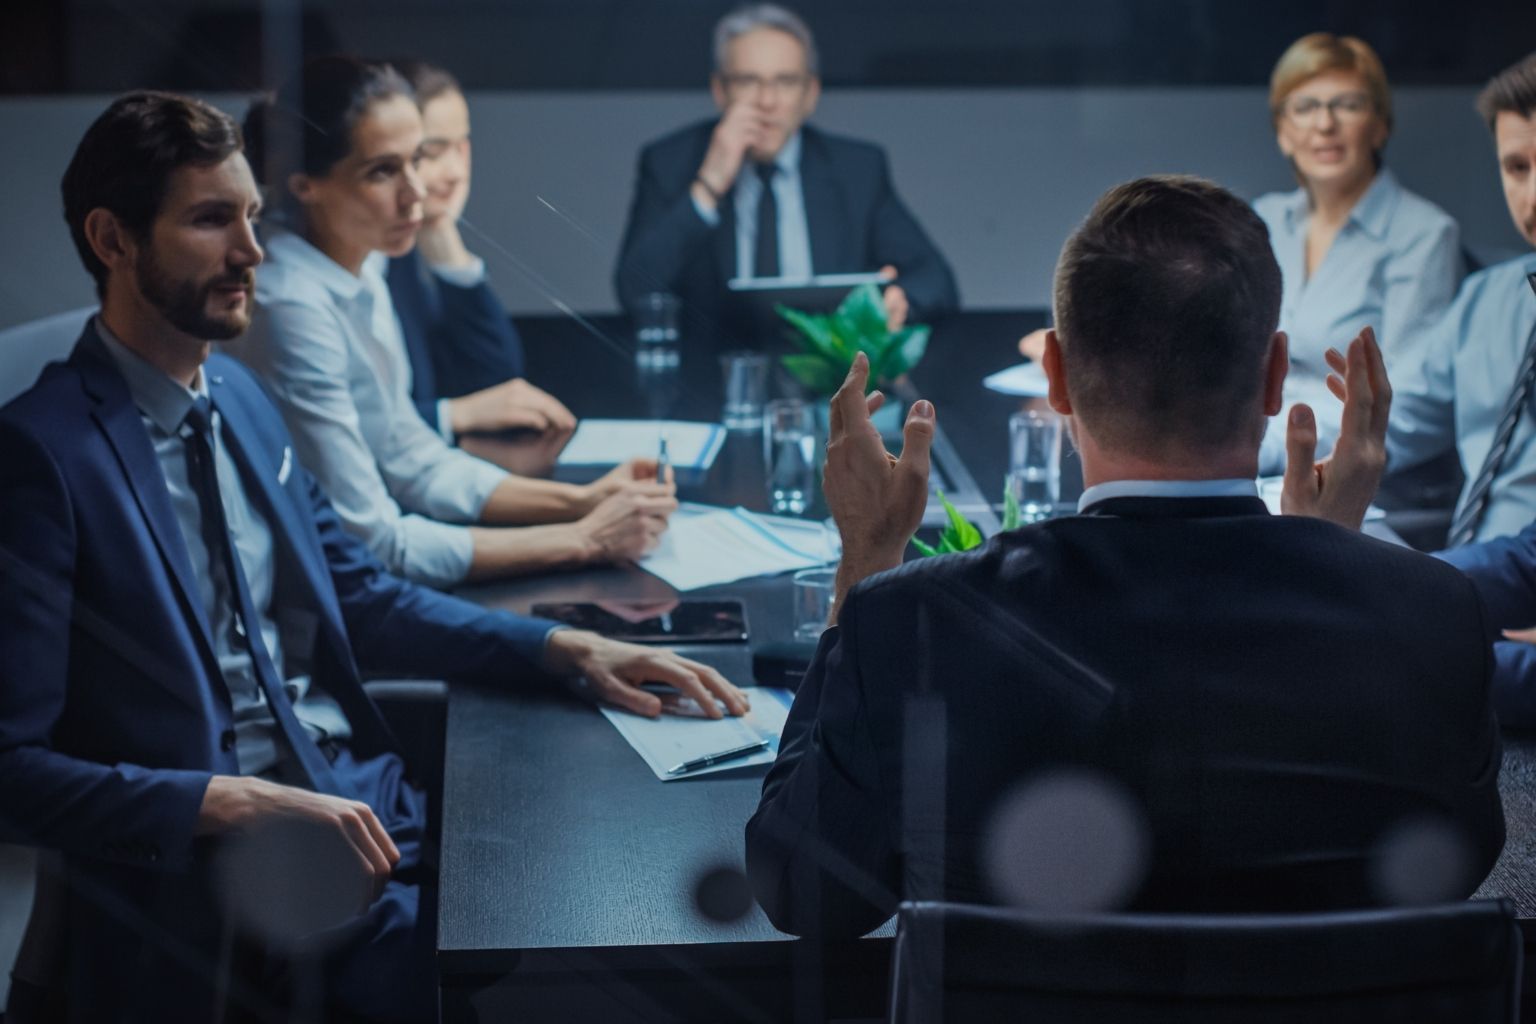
467, 276
708, 216
444, 422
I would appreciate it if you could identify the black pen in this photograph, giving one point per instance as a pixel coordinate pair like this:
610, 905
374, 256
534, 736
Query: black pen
724, 755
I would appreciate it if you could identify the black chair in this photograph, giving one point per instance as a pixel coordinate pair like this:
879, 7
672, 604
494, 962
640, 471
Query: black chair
1448, 962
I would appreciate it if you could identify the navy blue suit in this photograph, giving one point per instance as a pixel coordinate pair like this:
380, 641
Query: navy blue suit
460, 340
855, 219
1262, 690
113, 714
1504, 572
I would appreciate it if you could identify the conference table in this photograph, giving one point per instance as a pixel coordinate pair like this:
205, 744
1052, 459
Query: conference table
576, 886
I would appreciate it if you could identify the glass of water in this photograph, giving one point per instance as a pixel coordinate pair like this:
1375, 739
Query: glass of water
656, 330
1034, 463
789, 452
746, 389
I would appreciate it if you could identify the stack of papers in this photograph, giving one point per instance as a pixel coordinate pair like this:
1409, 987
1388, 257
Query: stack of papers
668, 741
610, 442
704, 546
1026, 379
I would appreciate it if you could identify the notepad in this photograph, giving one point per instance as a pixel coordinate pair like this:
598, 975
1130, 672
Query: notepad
670, 740
704, 546
610, 442
1026, 379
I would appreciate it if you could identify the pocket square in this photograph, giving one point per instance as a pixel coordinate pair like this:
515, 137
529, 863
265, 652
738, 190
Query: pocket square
287, 466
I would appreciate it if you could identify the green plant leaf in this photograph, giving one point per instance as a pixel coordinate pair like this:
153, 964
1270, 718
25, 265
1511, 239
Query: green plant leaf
966, 535
816, 332
926, 550
863, 311
1011, 514
819, 375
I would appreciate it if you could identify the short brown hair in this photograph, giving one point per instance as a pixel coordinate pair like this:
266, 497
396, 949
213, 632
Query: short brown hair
428, 80
1166, 299
125, 161
1513, 90
1320, 53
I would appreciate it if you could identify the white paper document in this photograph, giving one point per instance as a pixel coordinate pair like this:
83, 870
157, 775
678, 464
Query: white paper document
668, 741
704, 546
1026, 379
610, 442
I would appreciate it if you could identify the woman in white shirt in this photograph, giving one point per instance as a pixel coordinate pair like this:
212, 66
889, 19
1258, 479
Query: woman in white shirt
337, 152
1355, 248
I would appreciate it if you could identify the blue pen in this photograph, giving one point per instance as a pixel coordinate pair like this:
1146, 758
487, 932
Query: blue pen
662, 462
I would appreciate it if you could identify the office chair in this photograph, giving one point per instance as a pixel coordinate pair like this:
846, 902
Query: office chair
27, 348
1456, 962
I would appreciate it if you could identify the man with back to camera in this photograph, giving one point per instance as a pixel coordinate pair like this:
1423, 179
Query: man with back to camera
184, 621
701, 214
1255, 696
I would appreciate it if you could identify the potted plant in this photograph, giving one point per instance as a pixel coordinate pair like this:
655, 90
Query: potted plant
960, 534
829, 342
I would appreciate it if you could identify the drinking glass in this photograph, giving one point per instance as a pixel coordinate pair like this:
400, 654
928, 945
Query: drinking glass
813, 590
746, 388
656, 330
789, 453
1034, 463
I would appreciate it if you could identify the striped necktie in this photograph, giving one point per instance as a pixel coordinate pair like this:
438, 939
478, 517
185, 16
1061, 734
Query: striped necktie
1465, 525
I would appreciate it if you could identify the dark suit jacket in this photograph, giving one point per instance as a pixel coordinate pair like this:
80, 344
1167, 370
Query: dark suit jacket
855, 219
1504, 572
113, 714
1267, 691
460, 340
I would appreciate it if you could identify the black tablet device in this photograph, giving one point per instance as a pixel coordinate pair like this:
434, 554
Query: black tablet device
652, 622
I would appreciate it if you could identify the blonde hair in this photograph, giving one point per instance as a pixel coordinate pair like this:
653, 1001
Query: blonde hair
1320, 53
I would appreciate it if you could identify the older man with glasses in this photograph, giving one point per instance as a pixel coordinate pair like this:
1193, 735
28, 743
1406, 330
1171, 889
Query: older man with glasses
759, 193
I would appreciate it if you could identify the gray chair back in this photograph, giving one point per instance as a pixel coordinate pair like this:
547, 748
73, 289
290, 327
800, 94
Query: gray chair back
27, 348
1444, 963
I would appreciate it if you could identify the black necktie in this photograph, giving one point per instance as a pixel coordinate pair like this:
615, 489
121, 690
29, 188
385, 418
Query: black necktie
765, 261
203, 474
1464, 528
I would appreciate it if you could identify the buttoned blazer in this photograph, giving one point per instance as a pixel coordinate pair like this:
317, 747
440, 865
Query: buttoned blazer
113, 714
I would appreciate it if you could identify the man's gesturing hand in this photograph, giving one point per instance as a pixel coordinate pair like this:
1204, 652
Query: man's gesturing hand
876, 499
613, 672
1340, 487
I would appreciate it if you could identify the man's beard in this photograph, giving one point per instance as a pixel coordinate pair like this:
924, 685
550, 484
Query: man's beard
184, 304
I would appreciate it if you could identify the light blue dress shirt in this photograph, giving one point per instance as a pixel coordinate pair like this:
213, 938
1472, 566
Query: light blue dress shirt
1455, 396
794, 233
329, 346
163, 404
1395, 265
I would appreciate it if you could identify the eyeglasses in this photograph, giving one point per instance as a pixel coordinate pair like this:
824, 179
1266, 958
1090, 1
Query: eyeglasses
784, 85
1347, 107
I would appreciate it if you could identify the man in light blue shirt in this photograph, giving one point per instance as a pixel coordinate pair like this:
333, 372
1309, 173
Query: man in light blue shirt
1473, 353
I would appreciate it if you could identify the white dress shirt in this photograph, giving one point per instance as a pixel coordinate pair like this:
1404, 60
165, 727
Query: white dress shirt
1233, 488
794, 233
329, 346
